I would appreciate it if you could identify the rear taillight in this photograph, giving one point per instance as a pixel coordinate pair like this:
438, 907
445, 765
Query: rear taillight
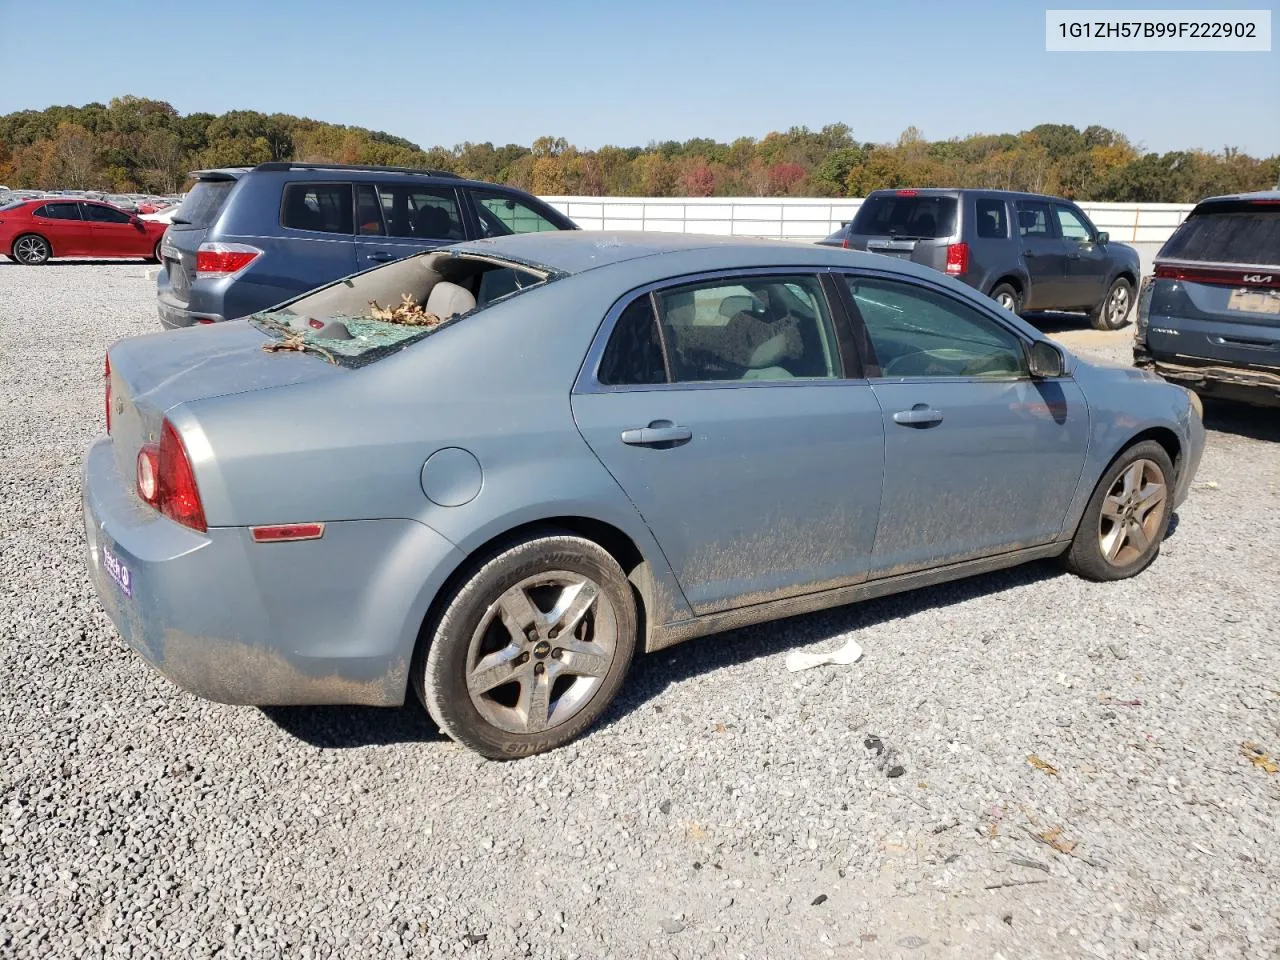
167, 482
106, 379
845, 243
224, 259
1225, 276
957, 259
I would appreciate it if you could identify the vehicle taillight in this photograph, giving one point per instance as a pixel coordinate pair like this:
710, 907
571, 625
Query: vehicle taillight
106, 378
908, 193
148, 473
845, 243
224, 259
1222, 276
957, 259
176, 493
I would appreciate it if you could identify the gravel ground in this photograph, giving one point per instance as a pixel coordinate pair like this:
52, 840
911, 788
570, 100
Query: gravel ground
726, 808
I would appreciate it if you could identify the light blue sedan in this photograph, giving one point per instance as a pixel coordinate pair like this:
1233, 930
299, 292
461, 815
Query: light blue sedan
593, 444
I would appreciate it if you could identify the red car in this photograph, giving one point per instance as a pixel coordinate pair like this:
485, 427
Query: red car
32, 231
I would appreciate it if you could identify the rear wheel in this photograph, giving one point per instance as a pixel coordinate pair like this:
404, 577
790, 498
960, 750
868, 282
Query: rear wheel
155, 254
1127, 517
31, 249
1007, 296
1113, 312
531, 648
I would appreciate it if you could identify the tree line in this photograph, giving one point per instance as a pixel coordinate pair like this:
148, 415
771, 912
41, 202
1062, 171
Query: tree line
136, 144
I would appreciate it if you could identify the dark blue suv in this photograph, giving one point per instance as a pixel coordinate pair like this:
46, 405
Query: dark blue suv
247, 238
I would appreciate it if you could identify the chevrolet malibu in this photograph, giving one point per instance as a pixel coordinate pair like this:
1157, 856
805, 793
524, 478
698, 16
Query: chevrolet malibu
496, 472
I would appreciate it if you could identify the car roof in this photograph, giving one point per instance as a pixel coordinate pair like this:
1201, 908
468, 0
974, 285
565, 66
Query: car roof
1258, 195
577, 251
956, 191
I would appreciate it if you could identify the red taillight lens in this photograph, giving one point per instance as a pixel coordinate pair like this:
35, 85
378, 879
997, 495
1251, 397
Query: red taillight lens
957, 259
224, 259
908, 193
177, 495
106, 378
845, 243
148, 473
287, 532
1229, 276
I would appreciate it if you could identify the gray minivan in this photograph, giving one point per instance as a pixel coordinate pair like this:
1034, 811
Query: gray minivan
1025, 250
247, 238
1209, 316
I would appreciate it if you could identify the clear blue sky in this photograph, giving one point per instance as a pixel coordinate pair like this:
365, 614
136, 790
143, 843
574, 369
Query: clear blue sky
631, 71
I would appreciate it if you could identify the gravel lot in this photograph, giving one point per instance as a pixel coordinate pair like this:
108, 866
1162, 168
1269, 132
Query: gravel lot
726, 808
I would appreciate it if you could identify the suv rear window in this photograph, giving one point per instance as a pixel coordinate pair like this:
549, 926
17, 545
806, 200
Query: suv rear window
202, 205
1240, 232
894, 215
323, 207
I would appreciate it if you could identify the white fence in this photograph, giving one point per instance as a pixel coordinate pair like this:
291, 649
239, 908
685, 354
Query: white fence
797, 218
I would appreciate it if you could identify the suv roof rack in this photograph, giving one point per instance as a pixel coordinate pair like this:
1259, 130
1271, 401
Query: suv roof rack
293, 165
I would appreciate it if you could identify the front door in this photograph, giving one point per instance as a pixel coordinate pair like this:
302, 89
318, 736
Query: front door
1044, 255
114, 232
722, 410
1088, 265
979, 457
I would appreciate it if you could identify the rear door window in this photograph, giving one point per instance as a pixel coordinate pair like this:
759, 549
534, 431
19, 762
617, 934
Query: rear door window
60, 211
906, 215
421, 212
993, 219
322, 207
202, 205
1236, 233
501, 214
1033, 219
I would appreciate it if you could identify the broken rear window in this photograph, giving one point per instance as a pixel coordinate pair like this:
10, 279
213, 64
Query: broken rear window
374, 314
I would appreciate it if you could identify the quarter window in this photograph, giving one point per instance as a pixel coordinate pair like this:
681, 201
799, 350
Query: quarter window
993, 221
1033, 220
634, 352
368, 211
422, 212
323, 207
1072, 226
916, 332
752, 328
500, 215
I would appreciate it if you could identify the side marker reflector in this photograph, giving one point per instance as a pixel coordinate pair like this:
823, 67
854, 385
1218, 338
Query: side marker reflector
285, 532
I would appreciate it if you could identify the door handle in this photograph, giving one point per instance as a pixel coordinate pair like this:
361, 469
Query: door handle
658, 432
381, 256
1073, 256
921, 415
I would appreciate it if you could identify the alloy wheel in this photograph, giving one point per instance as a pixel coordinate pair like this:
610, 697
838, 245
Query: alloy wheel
541, 651
31, 250
1006, 300
1118, 306
1131, 513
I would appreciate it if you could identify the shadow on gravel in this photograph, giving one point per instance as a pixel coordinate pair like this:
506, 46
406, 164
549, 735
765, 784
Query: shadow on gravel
81, 262
344, 727
1257, 423
652, 674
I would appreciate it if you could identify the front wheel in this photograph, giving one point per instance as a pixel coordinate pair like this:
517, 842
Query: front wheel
1127, 517
531, 648
31, 249
1113, 312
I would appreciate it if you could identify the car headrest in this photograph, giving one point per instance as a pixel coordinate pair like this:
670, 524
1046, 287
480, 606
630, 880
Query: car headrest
448, 300
1027, 219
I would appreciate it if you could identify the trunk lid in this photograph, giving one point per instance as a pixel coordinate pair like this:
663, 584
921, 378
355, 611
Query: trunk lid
153, 373
908, 225
1215, 295
190, 226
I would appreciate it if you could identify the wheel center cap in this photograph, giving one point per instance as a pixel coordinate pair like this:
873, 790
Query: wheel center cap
541, 649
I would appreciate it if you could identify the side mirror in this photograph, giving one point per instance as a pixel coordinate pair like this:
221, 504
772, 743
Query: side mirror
135, 219
1046, 360
1103, 236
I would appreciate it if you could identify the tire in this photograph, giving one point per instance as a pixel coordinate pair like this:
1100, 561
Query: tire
1007, 296
1098, 551
1113, 312
155, 254
31, 249
501, 613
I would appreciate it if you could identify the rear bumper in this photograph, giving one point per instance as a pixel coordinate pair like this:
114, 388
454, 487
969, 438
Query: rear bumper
174, 314
1244, 384
327, 621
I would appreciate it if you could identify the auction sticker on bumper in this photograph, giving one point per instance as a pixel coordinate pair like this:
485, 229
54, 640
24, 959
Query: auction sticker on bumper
117, 570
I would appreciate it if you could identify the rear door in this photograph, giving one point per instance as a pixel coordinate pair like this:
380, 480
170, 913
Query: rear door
396, 219
907, 224
1088, 266
114, 233
722, 408
1045, 256
65, 229
1216, 294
